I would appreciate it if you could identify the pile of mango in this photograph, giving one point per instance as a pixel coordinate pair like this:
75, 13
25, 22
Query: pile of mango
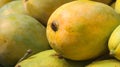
60, 33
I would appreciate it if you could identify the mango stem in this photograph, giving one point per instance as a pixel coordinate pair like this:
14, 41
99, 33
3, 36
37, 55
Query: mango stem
29, 51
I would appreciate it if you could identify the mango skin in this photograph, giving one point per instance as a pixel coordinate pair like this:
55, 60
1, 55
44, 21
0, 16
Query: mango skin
50, 58
4, 2
42, 9
12, 8
117, 6
80, 30
105, 63
114, 43
18, 33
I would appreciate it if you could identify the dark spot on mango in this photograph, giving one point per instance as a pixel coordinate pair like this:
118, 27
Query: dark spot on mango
26, 0
54, 26
18, 66
58, 55
5, 41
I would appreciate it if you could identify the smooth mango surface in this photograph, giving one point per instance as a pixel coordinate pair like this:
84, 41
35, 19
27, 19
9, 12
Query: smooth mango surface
80, 30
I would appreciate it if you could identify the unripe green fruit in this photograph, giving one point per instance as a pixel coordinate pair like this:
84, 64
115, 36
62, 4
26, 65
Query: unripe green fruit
50, 58
18, 33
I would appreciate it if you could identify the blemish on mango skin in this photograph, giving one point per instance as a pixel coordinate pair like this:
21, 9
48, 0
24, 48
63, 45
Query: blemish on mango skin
19, 66
58, 55
54, 26
26, 0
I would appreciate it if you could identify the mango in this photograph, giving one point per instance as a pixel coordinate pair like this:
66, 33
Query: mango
18, 33
79, 30
50, 58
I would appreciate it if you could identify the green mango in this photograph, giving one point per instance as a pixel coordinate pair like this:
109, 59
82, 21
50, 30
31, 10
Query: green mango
18, 33
50, 58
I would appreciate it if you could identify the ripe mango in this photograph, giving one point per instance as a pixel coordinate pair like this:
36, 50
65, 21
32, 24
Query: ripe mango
80, 30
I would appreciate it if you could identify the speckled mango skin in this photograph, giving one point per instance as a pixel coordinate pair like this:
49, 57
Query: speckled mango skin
18, 33
80, 30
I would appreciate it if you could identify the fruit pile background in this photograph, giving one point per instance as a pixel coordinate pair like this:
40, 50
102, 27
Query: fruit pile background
59, 33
